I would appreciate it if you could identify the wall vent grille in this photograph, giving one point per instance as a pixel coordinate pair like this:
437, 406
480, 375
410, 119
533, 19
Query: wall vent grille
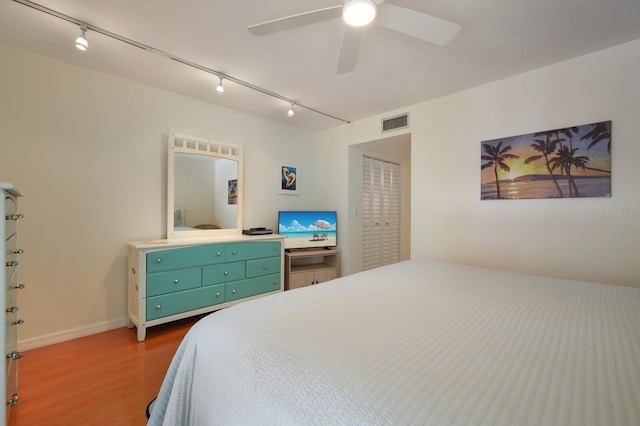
395, 123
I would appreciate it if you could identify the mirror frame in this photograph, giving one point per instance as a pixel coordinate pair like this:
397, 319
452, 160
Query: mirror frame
183, 144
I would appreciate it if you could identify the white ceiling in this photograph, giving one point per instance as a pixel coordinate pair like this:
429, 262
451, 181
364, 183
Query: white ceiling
498, 38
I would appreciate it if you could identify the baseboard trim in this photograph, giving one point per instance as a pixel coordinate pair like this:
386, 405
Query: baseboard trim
63, 336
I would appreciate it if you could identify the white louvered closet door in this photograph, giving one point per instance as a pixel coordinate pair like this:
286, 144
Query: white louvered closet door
380, 213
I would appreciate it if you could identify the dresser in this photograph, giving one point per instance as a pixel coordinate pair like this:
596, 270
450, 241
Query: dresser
175, 279
11, 254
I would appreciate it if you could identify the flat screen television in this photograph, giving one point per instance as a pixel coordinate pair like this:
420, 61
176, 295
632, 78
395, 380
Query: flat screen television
308, 229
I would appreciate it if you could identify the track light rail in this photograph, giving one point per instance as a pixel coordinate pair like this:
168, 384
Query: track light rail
173, 57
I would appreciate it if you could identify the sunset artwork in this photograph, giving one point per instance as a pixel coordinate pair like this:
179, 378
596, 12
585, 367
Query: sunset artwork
564, 163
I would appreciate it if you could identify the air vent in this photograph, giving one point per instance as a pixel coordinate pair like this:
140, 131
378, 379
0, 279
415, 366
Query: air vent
395, 123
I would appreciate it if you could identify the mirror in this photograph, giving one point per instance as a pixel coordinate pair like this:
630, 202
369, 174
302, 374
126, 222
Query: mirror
204, 181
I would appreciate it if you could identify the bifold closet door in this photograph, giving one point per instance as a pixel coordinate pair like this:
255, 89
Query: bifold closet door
380, 213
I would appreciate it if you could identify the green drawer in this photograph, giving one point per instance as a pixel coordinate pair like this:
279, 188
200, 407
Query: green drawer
253, 250
265, 266
188, 300
222, 273
172, 281
240, 289
185, 257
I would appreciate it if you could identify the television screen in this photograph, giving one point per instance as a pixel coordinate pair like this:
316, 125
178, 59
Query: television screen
305, 229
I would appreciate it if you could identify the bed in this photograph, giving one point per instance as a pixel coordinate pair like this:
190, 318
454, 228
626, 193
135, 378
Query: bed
414, 343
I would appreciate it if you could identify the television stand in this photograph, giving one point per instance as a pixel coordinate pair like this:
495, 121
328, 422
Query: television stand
310, 266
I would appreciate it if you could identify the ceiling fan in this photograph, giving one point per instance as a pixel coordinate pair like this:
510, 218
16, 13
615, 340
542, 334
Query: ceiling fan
357, 14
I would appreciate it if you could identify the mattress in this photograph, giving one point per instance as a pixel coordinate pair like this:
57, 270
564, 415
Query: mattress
414, 343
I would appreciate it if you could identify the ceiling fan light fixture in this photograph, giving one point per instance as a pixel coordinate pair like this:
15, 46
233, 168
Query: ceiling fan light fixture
359, 13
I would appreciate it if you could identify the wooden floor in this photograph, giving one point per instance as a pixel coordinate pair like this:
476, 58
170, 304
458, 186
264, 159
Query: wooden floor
104, 379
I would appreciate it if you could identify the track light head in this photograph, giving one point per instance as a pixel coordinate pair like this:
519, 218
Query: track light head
81, 41
290, 113
359, 13
220, 87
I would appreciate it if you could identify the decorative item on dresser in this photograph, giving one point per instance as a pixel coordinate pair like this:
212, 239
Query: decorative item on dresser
174, 279
10, 259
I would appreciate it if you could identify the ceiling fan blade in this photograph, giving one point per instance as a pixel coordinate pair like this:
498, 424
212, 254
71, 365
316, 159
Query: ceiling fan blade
350, 48
418, 25
294, 21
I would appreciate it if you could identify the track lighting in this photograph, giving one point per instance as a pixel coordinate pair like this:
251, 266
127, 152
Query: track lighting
81, 41
358, 13
82, 44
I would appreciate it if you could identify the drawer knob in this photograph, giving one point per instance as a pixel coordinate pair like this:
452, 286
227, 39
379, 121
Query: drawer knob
15, 355
265, 267
159, 260
234, 252
12, 310
218, 294
219, 253
158, 307
233, 291
13, 400
275, 282
226, 273
176, 281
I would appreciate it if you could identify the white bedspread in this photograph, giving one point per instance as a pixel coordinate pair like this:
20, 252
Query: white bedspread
415, 343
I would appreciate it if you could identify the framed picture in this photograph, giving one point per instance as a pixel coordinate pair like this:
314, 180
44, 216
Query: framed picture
289, 176
232, 193
571, 162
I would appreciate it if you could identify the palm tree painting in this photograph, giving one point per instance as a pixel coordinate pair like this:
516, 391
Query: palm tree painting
563, 163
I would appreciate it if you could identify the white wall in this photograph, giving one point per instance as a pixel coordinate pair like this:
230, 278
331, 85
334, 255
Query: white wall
594, 239
88, 150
